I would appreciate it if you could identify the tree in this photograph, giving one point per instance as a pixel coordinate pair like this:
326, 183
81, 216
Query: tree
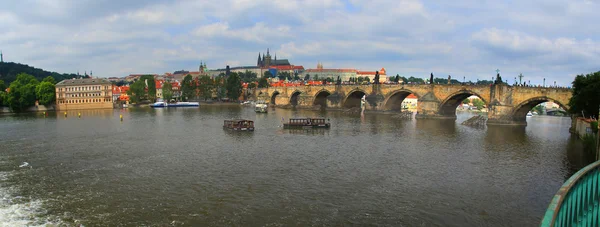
397, 78
50, 80
46, 92
478, 103
262, 83
316, 77
22, 92
359, 79
188, 87
147, 82
466, 101
2, 86
267, 74
248, 76
296, 76
307, 77
252, 85
538, 109
586, 90
233, 86
167, 91
136, 91
206, 87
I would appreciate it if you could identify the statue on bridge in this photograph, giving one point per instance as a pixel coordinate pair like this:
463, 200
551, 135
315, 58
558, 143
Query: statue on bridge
498, 79
449, 78
363, 101
431, 79
376, 79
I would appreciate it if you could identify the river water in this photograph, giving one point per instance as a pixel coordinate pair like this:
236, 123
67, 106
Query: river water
179, 167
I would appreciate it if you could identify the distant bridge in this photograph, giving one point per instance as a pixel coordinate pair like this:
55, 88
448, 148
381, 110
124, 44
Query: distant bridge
506, 104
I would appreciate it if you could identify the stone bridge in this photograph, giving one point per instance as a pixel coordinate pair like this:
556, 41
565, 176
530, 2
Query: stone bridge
506, 104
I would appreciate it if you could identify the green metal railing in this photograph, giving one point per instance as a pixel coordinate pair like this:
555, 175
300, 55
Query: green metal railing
577, 202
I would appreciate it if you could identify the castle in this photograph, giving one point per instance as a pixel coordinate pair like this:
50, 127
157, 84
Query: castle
265, 61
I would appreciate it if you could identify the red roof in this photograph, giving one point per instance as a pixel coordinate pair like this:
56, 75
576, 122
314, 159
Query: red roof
174, 85
119, 89
411, 96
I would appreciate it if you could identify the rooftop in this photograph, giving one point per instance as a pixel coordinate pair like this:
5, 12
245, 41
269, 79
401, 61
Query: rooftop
83, 82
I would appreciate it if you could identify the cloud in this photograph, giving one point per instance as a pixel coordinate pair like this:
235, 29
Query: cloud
552, 39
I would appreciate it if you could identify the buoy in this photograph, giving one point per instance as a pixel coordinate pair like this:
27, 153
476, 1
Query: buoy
121, 116
44, 113
79, 115
65, 113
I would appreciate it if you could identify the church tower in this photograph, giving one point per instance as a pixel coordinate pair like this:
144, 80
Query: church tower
267, 60
200, 69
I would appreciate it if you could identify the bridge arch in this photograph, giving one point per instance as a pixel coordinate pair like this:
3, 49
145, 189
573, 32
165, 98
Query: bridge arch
274, 97
394, 100
448, 106
321, 98
353, 98
520, 111
294, 97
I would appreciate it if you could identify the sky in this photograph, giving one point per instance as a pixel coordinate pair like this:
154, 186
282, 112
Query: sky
470, 39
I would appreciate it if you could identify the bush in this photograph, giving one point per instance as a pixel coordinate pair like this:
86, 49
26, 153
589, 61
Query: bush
594, 126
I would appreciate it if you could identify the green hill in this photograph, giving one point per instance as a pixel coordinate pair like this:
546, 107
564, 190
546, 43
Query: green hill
10, 70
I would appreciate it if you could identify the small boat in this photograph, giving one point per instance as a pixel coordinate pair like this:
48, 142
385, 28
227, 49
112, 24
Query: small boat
239, 125
177, 104
260, 107
306, 123
529, 114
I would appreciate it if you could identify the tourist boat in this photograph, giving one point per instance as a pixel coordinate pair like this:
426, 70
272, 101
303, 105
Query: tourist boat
239, 125
260, 107
529, 114
177, 104
302, 123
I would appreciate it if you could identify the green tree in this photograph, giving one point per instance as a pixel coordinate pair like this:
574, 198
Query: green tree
466, 101
234, 86
50, 80
2, 99
478, 103
206, 87
538, 109
586, 90
252, 85
248, 76
267, 74
46, 92
307, 77
22, 92
262, 83
316, 77
150, 87
296, 76
2, 86
167, 91
397, 78
136, 91
188, 87
219, 86
359, 79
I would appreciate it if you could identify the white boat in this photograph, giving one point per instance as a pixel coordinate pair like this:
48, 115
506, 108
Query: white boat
177, 104
260, 107
529, 114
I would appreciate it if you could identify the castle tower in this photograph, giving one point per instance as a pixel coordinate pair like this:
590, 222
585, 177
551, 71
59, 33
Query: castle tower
258, 62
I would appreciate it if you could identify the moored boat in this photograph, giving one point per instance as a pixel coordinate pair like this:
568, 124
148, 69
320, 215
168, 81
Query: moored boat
177, 104
529, 114
239, 125
306, 123
260, 107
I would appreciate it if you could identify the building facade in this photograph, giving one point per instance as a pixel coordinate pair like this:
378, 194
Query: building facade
344, 74
92, 93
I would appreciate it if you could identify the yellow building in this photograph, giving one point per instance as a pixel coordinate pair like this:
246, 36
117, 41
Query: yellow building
91, 93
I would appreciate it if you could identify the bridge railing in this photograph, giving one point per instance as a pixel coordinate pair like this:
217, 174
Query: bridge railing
577, 202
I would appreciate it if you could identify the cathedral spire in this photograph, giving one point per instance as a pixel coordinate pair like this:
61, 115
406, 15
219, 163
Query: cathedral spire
268, 52
258, 61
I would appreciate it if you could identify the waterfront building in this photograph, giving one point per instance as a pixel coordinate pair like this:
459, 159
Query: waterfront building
410, 102
175, 87
344, 74
119, 93
90, 93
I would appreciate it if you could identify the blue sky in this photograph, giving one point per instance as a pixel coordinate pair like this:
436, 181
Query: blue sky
552, 39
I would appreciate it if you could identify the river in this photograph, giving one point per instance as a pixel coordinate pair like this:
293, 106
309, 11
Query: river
179, 167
